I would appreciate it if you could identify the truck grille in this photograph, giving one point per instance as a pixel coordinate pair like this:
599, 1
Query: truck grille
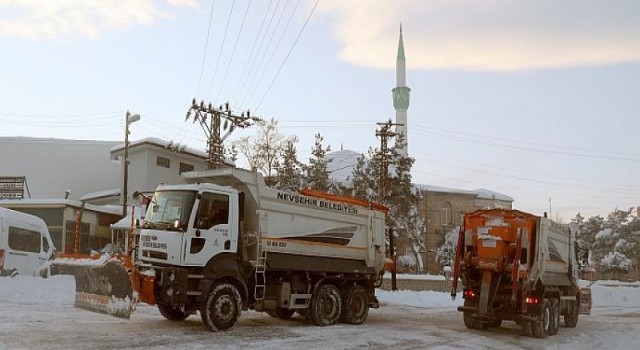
154, 255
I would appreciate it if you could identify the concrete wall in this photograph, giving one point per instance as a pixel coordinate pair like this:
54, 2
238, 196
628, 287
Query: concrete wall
52, 166
445, 211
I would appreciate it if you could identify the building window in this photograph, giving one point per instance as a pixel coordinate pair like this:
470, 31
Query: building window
163, 162
184, 167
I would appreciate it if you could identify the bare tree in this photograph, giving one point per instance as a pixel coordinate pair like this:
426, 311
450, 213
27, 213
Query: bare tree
264, 150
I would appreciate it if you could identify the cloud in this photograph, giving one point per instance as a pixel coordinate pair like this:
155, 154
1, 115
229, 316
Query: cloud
190, 3
53, 19
487, 34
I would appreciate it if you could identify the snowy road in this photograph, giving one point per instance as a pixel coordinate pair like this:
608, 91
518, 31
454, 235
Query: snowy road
39, 314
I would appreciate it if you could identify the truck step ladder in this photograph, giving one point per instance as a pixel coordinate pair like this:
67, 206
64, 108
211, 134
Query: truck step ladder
261, 279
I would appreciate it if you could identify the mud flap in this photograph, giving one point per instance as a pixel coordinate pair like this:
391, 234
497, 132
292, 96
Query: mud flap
585, 301
105, 289
485, 288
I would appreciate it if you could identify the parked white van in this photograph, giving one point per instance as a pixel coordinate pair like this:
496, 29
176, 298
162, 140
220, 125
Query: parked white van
26, 243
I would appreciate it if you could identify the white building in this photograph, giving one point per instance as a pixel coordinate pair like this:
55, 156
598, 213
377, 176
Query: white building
91, 172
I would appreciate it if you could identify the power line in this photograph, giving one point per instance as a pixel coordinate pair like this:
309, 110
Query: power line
264, 54
224, 39
55, 125
254, 58
206, 45
233, 52
274, 50
450, 135
255, 41
529, 172
62, 115
522, 178
287, 56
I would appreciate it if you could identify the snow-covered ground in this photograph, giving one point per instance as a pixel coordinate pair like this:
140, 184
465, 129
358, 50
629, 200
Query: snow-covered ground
38, 314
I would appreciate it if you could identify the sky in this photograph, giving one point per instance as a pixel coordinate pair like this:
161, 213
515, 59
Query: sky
538, 100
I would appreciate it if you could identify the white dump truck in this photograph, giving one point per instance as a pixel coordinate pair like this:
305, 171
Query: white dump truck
227, 243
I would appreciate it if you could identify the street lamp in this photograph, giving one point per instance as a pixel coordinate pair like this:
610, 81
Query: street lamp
129, 118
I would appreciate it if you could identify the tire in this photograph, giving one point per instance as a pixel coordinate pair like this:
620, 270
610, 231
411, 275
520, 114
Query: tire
355, 307
469, 321
527, 328
571, 317
540, 328
172, 314
222, 307
554, 322
326, 306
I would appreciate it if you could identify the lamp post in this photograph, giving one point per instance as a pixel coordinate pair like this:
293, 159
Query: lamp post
129, 118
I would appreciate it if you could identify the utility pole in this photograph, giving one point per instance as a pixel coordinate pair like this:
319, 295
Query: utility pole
128, 119
213, 122
384, 133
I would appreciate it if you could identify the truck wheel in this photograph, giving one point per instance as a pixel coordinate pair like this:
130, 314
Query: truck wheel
554, 322
222, 308
469, 321
571, 317
540, 327
356, 305
172, 314
326, 306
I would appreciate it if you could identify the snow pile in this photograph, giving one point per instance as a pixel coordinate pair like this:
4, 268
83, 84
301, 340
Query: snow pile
616, 294
424, 299
83, 261
55, 289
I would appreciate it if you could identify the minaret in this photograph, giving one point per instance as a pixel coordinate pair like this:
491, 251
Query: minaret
401, 96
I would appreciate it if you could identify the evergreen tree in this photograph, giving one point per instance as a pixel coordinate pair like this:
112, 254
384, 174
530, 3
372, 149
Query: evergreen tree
317, 172
360, 180
405, 201
290, 173
613, 243
399, 195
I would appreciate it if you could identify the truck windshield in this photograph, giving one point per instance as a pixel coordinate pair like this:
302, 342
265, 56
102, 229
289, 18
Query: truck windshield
167, 207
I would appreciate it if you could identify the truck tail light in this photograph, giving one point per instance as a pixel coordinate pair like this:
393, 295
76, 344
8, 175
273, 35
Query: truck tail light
531, 300
468, 294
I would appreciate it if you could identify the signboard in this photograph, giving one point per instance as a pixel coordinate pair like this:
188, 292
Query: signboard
12, 187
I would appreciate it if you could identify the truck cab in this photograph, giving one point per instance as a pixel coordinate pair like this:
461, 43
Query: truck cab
187, 225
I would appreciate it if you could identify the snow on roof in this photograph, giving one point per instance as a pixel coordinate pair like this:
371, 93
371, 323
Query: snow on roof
488, 194
106, 209
343, 161
48, 141
19, 216
125, 222
100, 194
162, 144
431, 188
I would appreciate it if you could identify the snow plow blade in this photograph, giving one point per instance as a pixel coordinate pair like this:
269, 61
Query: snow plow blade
105, 289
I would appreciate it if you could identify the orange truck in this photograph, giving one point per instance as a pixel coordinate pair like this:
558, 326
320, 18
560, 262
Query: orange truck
520, 267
